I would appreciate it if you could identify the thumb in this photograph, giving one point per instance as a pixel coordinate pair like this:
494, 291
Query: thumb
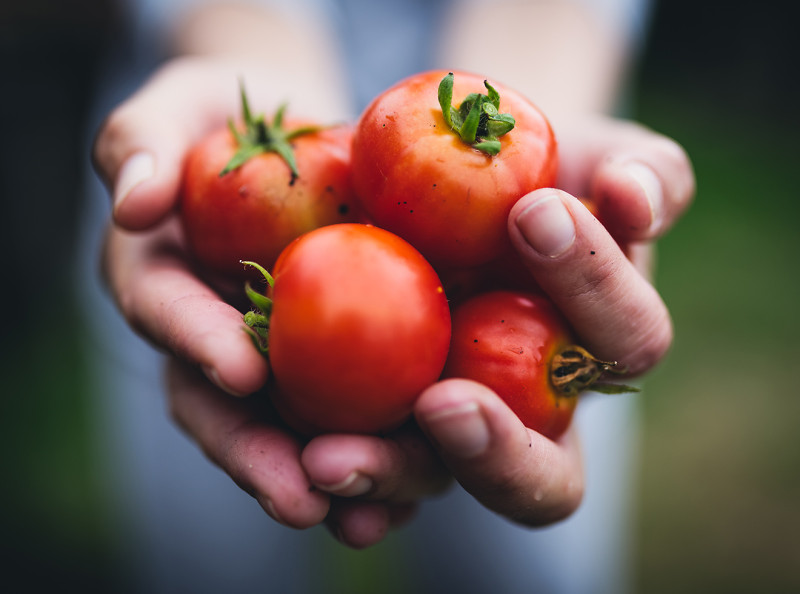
139, 149
615, 311
508, 468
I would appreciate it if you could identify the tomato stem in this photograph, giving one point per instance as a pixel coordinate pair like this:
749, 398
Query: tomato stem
574, 370
260, 137
257, 320
476, 120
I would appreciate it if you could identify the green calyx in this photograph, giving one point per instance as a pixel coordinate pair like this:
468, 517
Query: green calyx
574, 370
257, 319
260, 137
477, 120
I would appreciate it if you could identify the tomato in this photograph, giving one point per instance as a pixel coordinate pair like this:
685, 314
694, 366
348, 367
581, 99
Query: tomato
508, 272
519, 345
273, 193
359, 326
448, 197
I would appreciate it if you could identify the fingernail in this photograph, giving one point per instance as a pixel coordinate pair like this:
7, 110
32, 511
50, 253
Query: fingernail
354, 485
339, 534
547, 226
269, 507
460, 430
138, 168
213, 375
651, 187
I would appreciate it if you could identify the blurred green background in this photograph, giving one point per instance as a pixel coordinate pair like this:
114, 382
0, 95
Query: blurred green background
720, 507
720, 484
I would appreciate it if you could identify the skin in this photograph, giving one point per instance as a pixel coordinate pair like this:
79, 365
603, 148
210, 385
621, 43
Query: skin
365, 485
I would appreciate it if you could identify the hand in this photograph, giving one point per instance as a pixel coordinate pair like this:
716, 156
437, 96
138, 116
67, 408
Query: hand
138, 153
510, 469
598, 275
641, 182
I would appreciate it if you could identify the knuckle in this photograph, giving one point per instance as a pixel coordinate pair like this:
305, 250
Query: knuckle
652, 345
110, 143
669, 149
239, 448
677, 163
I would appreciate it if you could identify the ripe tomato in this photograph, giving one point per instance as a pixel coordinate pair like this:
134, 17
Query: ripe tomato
518, 345
450, 198
359, 326
278, 187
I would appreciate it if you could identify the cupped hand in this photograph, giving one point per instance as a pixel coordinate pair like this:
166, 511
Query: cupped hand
361, 486
597, 273
639, 181
139, 148
138, 153
246, 440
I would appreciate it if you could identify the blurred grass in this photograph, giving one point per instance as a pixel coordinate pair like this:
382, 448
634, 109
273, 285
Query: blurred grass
720, 501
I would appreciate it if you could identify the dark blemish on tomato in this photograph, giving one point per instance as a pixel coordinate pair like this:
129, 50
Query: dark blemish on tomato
410, 211
434, 185
502, 321
593, 252
329, 189
344, 209
475, 340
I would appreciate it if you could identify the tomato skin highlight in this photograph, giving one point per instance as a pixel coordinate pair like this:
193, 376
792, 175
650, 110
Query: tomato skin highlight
253, 212
360, 325
416, 178
506, 340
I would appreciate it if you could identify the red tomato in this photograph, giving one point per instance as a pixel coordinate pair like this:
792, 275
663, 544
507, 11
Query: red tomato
255, 210
417, 178
507, 273
359, 326
518, 345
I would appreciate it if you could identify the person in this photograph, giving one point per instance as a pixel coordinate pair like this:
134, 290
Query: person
189, 528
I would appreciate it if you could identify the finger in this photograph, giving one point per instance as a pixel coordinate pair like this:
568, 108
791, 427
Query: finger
640, 181
139, 149
358, 524
510, 469
616, 312
362, 524
164, 301
399, 468
237, 435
